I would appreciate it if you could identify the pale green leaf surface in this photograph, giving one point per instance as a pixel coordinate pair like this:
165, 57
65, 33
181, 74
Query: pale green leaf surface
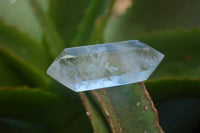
133, 108
23, 46
54, 43
20, 15
25, 56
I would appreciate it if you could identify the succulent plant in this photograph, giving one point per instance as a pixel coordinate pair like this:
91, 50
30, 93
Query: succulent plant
34, 32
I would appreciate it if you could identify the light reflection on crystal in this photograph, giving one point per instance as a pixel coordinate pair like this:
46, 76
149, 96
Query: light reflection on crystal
104, 65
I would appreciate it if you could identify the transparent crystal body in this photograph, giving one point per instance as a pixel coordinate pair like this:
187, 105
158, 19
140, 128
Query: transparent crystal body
104, 65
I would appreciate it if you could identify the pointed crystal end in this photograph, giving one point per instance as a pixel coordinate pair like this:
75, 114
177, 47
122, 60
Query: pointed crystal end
104, 65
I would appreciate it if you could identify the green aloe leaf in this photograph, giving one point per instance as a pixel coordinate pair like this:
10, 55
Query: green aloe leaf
52, 39
97, 10
109, 104
27, 49
28, 59
177, 99
73, 114
19, 14
104, 102
168, 88
8, 76
67, 16
176, 81
32, 105
149, 16
119, 109
100, 24
96, 118
31, 108
123, 106
181, 48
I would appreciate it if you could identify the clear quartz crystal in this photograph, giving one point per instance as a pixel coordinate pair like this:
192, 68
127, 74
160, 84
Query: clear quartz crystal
104, 65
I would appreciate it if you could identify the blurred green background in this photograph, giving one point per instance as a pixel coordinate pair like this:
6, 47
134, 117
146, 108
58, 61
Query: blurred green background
34, 32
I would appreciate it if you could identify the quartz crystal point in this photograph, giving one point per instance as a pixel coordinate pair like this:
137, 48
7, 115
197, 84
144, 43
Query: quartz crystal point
104, 65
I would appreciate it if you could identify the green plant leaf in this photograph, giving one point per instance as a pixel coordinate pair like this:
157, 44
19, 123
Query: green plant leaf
181, 48
13, 126
149, 16
87, 27
40, 109
179, 73
106, 102
67, 16
100, 24
50, 33
173, 88
25, 56
98, 123
123, 106
8, 76
177, 99
26, 104
20, 15
23, 46
72, 108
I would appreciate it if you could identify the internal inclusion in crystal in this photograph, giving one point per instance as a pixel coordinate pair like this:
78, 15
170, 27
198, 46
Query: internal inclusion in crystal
104, 65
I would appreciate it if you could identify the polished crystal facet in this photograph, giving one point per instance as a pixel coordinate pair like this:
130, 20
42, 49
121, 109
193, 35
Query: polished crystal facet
104, 65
